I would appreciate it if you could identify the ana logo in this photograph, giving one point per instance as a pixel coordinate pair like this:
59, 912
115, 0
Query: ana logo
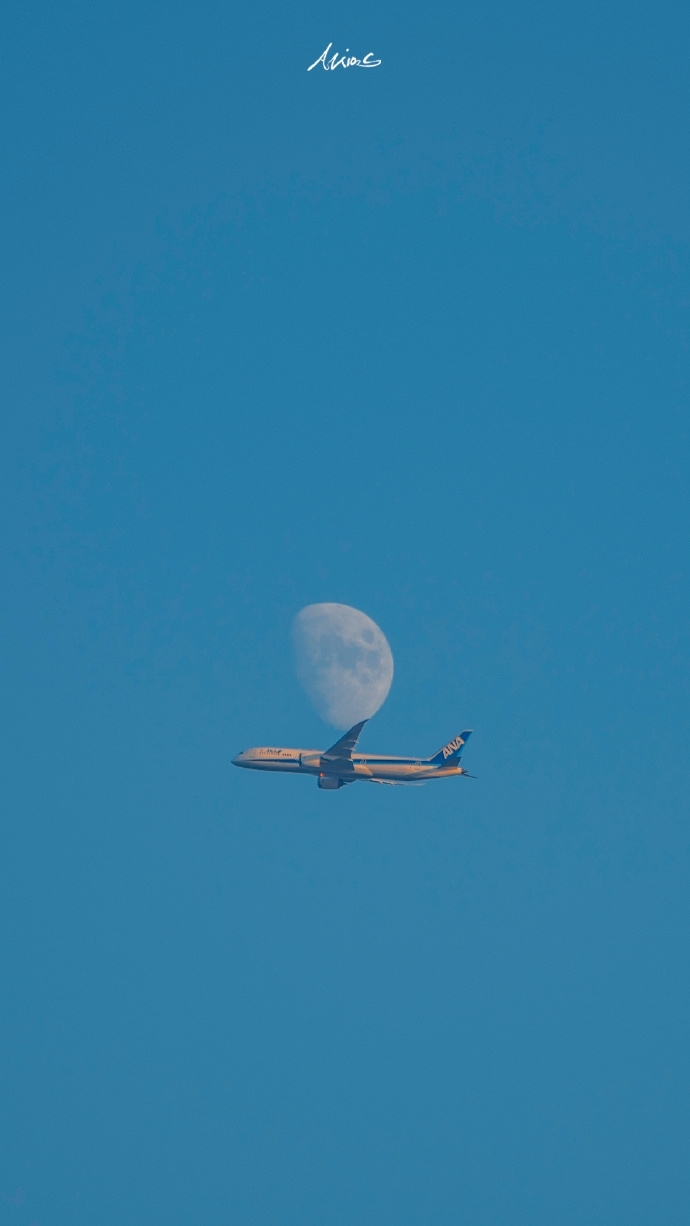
451, 747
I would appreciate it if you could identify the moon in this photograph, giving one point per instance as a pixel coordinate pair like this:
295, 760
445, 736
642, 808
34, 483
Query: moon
343, 661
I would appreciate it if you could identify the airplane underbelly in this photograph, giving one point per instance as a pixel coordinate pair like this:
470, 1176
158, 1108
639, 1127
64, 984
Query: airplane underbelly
288, 765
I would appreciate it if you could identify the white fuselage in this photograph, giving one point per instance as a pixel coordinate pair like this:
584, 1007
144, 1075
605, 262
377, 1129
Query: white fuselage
369, 767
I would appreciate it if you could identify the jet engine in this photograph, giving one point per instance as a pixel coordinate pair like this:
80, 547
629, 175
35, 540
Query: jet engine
329, 782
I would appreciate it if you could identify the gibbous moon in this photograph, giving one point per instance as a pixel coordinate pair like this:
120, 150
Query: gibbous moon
343, 662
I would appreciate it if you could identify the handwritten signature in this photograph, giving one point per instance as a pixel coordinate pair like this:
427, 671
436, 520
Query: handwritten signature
344, 61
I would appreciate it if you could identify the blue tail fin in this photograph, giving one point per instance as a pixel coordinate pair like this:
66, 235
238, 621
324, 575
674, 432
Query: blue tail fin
452, 750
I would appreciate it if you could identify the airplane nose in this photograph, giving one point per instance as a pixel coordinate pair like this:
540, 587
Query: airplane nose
237, 761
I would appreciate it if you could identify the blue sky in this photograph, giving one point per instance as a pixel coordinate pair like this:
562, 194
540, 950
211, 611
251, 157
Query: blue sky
414, 340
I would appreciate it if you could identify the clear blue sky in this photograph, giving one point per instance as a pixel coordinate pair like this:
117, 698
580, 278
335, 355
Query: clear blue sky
415, 340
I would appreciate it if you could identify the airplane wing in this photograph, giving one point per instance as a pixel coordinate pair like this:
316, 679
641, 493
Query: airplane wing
338, 759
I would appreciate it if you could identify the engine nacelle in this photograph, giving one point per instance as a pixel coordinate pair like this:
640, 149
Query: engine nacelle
329, 783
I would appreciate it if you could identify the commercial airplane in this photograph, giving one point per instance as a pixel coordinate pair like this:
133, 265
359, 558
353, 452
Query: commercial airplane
340, 764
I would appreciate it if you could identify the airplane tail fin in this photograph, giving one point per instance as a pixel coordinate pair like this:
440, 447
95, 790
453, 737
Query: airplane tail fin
452, 750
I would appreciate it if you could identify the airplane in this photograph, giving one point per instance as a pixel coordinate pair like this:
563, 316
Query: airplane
340, 765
